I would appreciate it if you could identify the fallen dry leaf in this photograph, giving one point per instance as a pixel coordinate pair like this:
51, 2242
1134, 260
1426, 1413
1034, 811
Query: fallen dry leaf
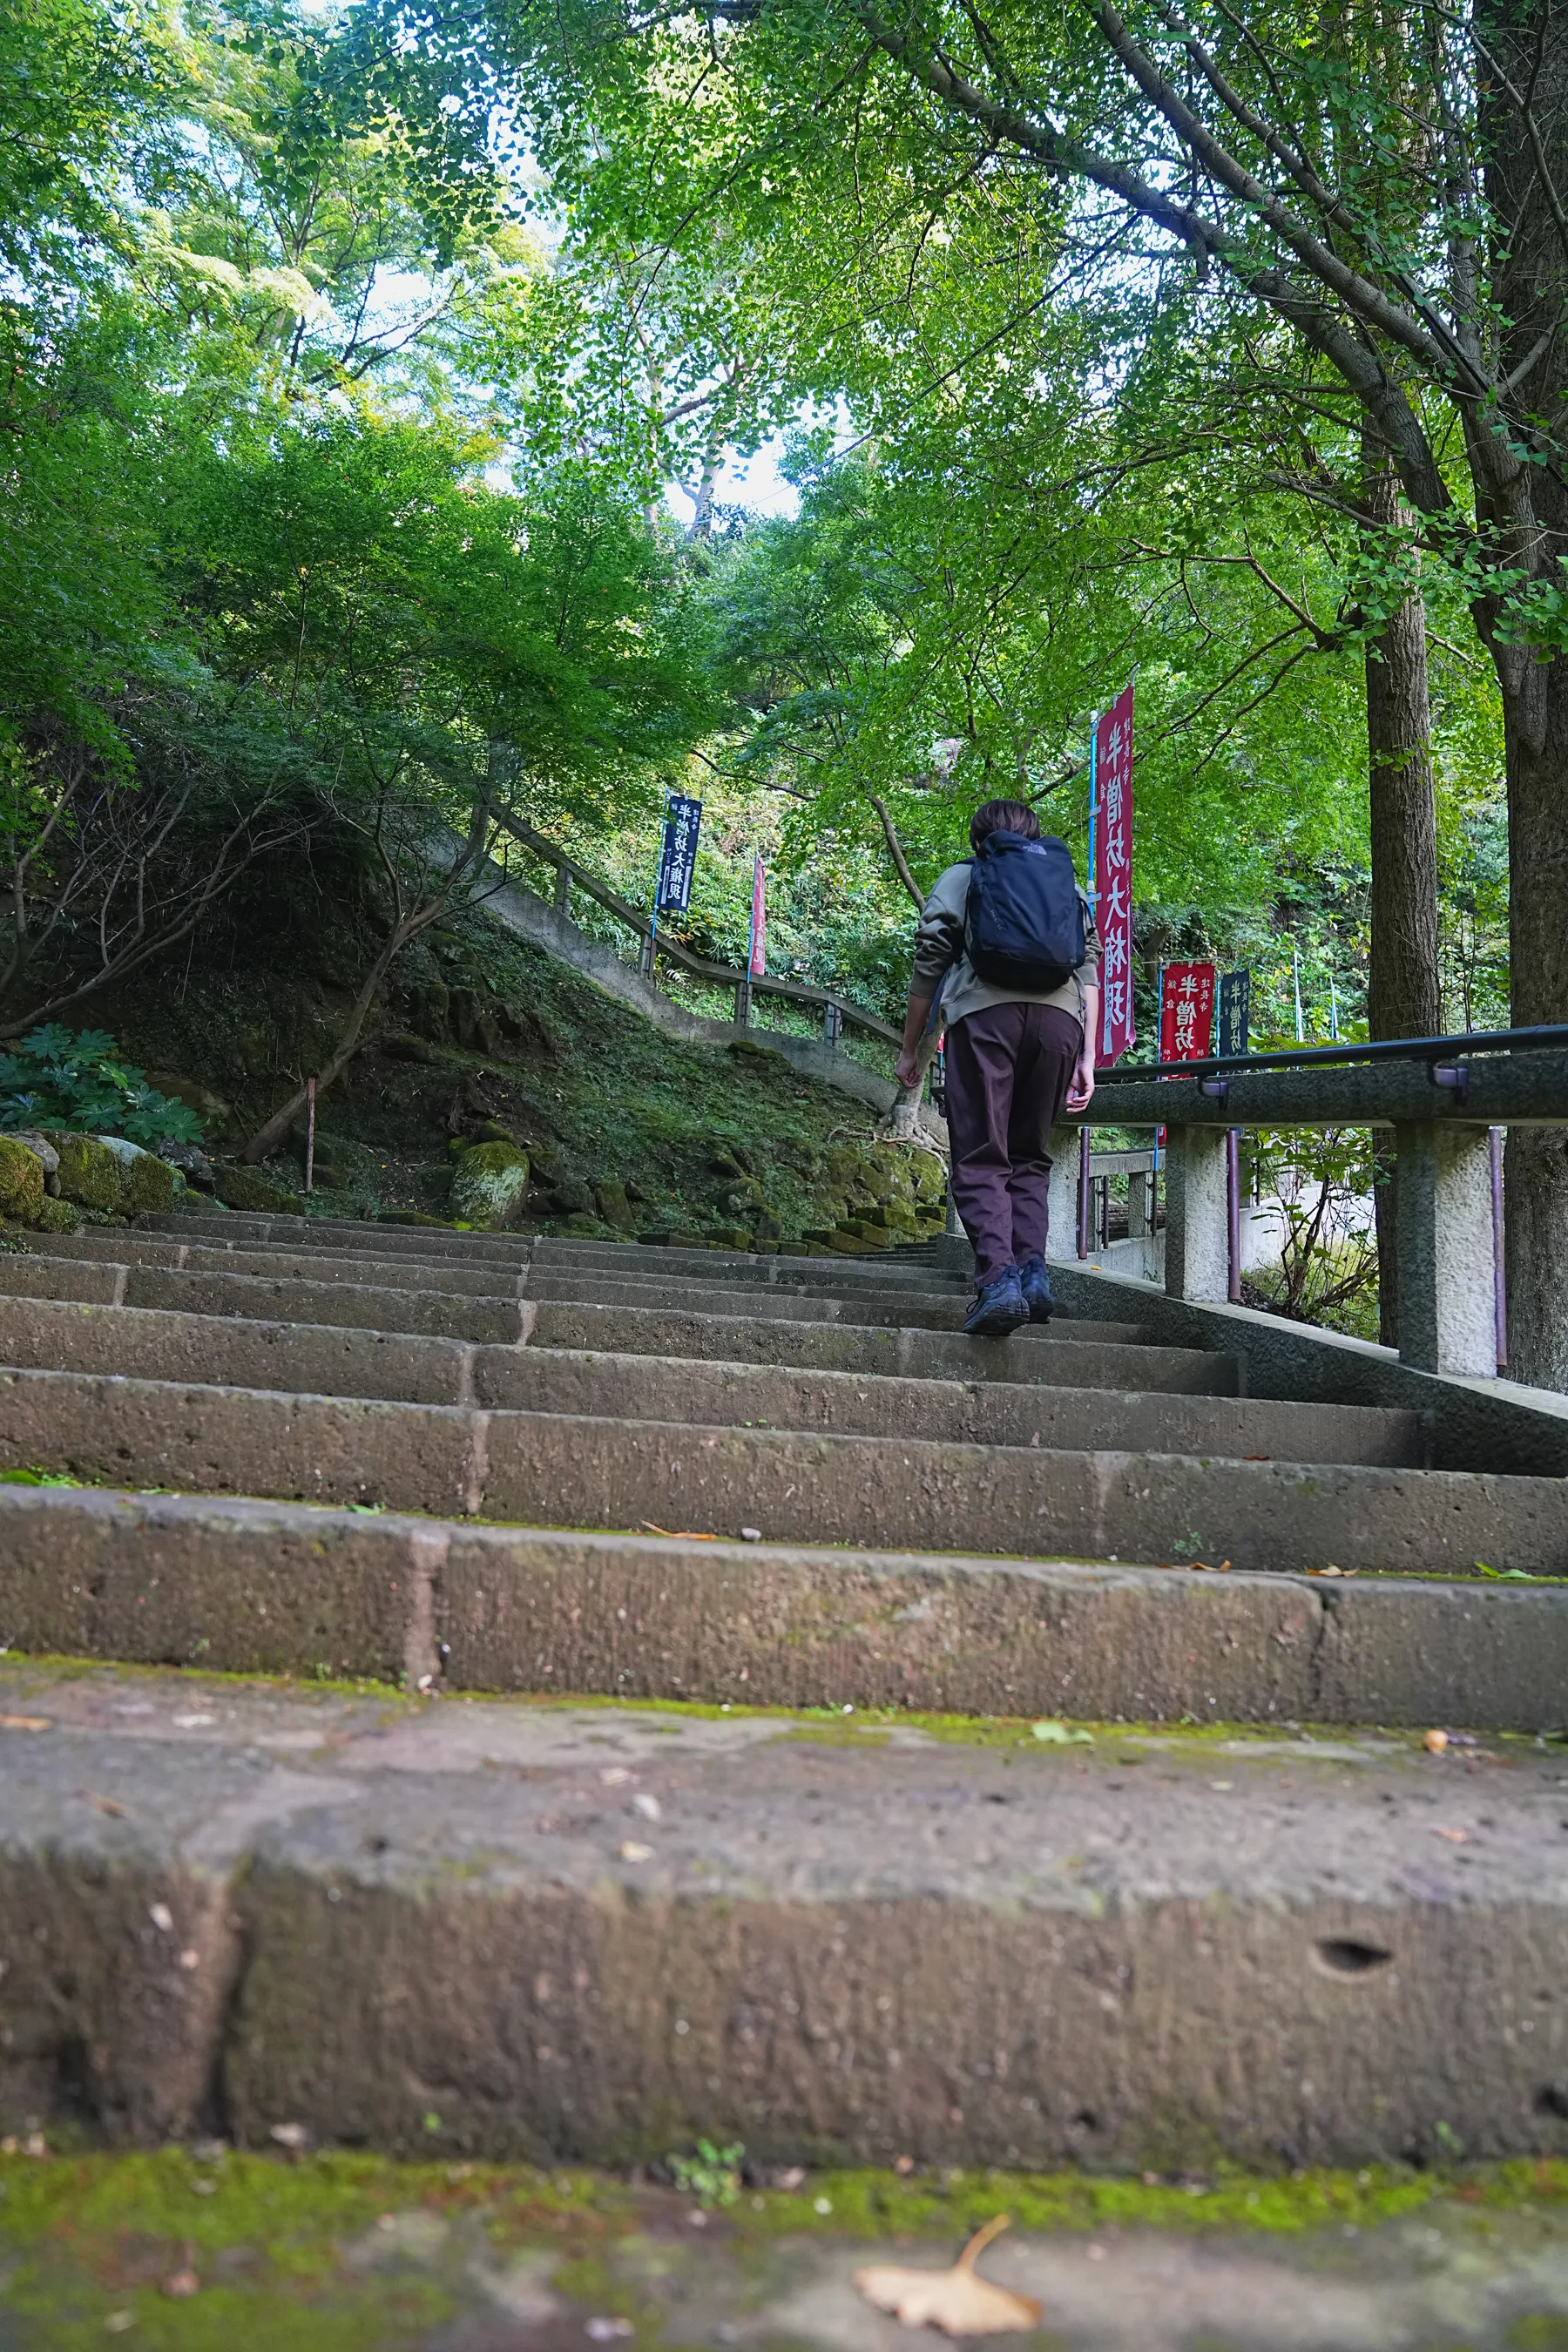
1455, 1837
1435, 1742
956, 2300
107, 1804
23, 1723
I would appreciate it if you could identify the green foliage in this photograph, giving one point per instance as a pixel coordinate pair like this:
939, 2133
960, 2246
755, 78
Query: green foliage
58, 1079
712, 2176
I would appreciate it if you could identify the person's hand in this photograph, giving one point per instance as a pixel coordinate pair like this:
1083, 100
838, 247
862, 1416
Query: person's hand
1080, 1091
907, 1069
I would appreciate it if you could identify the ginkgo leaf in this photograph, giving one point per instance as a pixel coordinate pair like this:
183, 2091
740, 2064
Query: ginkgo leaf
956, 2300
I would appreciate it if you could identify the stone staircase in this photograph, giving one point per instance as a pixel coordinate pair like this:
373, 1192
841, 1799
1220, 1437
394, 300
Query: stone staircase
925, 1915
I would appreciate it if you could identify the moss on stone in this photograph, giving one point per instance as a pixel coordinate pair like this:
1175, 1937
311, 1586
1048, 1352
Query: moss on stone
149, 1185
242, 1188
21, 1182
60, 1216
489, 1185
89, 1172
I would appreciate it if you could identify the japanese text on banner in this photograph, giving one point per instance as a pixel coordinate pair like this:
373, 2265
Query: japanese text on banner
683, 820
1112, 878
1187, 1012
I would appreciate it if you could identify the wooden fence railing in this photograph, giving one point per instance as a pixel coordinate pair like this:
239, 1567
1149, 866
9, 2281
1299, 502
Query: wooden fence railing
838, 1012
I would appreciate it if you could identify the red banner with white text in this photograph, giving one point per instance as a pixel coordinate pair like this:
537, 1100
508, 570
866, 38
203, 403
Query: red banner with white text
1112, 878
1186, 1012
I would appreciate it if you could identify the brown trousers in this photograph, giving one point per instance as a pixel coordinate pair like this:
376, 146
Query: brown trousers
1009, 1069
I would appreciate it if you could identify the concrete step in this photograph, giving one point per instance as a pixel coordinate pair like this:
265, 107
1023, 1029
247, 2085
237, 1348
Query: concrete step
337, 1359
132, 1247
224, 1229
930, 1310
1086, 1355
355, 1305
297, 1287
248, 1587
495, 1929
877, 1269
620, 1260
897, 1494
992, 1413
895, 1267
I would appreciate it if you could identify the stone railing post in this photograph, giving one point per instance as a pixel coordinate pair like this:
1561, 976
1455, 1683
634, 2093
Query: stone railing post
1197, 1243
1061, 1206
1445, 1295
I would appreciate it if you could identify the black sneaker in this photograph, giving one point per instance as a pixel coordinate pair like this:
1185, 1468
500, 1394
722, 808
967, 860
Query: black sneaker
999, 1310
1035, 1283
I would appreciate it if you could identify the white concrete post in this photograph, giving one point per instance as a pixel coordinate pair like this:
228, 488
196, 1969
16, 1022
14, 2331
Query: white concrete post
1446, 1305
1061, 1236
1197, 1251
1140, 1205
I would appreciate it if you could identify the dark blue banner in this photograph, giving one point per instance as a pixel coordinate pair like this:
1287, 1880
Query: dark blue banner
1234, 1012
682, 822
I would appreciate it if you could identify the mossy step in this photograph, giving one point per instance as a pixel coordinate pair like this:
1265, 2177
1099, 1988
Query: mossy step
583, 1930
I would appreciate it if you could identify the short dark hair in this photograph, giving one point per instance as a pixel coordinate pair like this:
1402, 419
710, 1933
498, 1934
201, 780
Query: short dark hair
1002, 816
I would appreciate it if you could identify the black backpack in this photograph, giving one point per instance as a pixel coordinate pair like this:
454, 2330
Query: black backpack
1024, 923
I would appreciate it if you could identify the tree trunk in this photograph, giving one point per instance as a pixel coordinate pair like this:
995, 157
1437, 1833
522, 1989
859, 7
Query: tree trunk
1526, 159
1403, 996
1535, 723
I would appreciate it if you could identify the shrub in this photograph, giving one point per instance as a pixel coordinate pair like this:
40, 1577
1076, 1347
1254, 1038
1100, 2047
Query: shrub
58, 1079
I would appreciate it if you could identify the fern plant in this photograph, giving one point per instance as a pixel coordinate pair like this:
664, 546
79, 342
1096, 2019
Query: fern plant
60, 1078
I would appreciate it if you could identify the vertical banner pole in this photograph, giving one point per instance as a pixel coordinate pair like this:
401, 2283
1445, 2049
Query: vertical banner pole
1093, 804
1083, 1186
1233, 1208
1296, 977
310, 1134
1500, 1262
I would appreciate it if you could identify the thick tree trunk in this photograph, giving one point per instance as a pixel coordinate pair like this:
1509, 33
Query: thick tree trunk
1404, 997
1526, 150
1535, 721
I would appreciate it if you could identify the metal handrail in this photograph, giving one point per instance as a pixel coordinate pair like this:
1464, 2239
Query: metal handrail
1371, 1049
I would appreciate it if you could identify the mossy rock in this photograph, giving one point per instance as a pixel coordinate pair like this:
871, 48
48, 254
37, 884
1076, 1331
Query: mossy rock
729, 1237
242, 1188
614, 1207
489, 1185
59, 1217
21, 1182
150, 1183
90, 1173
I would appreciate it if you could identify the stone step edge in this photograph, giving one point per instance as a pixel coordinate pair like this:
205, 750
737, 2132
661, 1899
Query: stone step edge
362, 1929
566, 1290
583, 1471
347, 1360
241, 1585
874, 1269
